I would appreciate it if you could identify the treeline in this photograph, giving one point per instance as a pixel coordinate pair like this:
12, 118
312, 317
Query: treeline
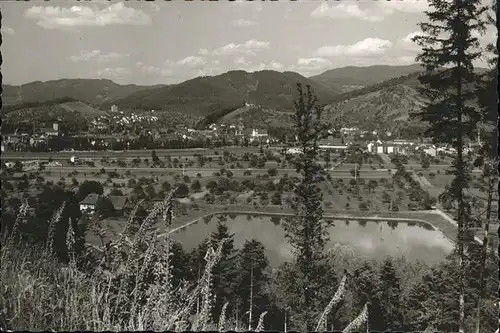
217, 111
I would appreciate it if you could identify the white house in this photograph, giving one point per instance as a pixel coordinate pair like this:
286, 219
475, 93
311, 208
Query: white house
89, 203
255, 133
294, 151
431, 151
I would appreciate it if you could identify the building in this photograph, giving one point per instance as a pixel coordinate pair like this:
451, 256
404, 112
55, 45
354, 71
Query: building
430, 150
334, 148
114, 108
51, 131
89, 203
256, 134
379, 147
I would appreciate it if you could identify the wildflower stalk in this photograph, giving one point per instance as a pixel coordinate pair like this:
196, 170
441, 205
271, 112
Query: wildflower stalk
212, 257
70, 243
132, 260
335, 299
15, 228
260, 325
222, 318
363, 317
52, 226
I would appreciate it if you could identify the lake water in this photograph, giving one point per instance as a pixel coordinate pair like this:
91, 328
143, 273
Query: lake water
370, 239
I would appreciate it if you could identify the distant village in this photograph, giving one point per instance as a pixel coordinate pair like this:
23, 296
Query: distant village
144, 132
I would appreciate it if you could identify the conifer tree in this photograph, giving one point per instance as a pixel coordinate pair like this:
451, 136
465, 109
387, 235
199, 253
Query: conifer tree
225, 271
306, 231
488, 100
252, 279
449, 48
389, 293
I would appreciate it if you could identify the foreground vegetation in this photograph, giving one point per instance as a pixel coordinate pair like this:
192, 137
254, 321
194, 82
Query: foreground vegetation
139, 283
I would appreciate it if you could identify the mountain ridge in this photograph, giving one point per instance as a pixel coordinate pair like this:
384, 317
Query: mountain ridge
203, 95
91, 91
351, 78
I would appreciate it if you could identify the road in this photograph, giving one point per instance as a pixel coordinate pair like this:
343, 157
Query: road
365, 167
130, 153
209, 171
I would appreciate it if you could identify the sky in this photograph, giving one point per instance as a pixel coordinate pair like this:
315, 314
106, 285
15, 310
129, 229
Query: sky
161, 42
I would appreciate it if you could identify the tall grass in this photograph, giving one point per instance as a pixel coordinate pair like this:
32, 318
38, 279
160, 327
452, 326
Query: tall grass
128, 290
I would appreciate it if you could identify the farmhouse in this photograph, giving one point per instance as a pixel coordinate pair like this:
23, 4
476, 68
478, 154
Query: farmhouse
430, 150
379, 147
51, 131
89, 203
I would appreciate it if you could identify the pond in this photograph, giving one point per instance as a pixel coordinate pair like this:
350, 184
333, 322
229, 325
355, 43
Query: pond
369, 239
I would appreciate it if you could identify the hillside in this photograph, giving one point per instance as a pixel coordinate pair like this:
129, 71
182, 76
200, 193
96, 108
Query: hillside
61, 110
351, 78
205, 95
257, 117
386, 105
91, 91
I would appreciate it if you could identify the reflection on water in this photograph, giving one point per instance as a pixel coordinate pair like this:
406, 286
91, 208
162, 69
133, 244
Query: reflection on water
367, 238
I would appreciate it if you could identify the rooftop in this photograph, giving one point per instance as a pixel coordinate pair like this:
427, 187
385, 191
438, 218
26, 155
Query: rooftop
90, 199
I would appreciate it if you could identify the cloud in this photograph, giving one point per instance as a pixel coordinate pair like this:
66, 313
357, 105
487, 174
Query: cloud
7, 31
374, 12
408, 44
190, 66
365, 48
345, 10
307, 66
403, 6
97, 55
57, 17
243, 23
116, 72
242, 62
250, 47
156, 70
191, 61
273, 65
249, 66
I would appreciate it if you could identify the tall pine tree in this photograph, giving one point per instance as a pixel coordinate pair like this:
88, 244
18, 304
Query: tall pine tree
389, 293
306, 231
488, 100
253, 276
449, 48
225, 271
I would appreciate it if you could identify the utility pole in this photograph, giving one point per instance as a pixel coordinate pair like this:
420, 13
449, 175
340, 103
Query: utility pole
251, 299
236, 326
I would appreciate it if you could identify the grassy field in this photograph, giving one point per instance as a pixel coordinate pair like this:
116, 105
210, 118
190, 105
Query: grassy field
374, 192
